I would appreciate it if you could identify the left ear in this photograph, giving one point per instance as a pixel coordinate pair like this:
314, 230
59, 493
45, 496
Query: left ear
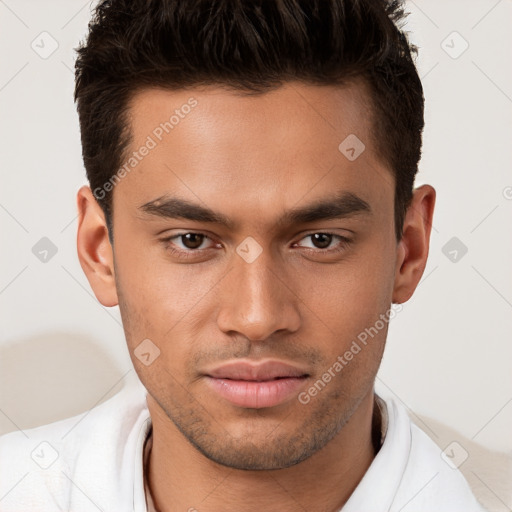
412, 250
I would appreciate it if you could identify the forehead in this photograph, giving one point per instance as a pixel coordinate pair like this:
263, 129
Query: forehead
219, 110
244, 153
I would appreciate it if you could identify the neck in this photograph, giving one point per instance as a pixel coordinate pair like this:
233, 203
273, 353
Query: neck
180, 478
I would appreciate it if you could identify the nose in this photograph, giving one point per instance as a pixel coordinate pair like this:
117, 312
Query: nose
256, 300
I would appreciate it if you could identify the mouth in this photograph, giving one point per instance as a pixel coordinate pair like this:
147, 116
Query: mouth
256, 385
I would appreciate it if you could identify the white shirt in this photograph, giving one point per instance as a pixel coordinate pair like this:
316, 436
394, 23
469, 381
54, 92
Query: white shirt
94, 462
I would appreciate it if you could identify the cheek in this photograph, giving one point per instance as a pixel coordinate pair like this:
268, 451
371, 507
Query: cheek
161, 291
346, 302
351, 294
164, 303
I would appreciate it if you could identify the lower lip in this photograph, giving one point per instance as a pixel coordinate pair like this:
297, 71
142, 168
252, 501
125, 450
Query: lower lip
257, 395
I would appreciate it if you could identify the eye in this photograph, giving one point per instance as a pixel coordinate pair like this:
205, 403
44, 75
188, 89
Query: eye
186, 245
323, 241
190, 240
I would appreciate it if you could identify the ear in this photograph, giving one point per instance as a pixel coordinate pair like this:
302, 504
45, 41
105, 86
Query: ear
94, 249
412, 250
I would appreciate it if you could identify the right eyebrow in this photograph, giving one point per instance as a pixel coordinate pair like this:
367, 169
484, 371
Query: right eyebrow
175, 208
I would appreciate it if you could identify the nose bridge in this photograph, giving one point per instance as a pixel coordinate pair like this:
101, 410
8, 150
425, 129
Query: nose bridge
259, 303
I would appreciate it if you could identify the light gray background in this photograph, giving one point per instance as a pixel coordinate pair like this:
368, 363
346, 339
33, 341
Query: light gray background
449, 351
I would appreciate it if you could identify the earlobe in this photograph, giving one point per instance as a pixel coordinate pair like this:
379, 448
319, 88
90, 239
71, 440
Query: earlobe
412, 249
94, 249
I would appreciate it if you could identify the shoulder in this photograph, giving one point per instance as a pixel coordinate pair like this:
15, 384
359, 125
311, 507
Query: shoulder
431, 477
44, 466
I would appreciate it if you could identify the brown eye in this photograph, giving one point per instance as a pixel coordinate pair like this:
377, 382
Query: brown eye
187, 245
192, 240
321, 240
325, 243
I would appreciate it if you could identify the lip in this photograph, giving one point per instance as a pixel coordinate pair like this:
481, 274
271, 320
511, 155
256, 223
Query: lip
256, 385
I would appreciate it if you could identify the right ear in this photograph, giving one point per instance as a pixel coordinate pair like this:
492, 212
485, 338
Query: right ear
94, 249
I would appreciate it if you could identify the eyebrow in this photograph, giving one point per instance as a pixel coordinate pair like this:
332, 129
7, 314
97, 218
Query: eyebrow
343, 205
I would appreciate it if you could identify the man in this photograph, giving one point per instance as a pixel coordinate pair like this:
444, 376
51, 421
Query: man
251, 211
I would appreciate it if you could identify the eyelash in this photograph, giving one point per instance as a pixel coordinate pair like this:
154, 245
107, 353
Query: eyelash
344, 242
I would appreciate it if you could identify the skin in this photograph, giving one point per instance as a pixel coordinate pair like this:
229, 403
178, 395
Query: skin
252, 159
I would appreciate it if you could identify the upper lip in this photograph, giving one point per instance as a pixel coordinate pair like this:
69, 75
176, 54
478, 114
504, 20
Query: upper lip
255, 371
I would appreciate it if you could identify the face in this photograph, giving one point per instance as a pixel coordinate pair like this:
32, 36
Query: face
248, 247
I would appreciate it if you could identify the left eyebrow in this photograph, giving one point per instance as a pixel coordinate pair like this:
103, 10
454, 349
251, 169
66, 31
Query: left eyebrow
343, 205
